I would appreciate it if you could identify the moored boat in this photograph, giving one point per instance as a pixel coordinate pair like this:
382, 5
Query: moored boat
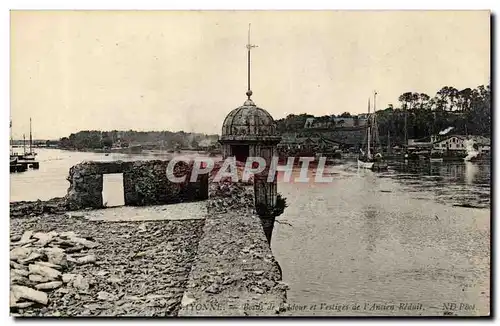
369, 160
436, 156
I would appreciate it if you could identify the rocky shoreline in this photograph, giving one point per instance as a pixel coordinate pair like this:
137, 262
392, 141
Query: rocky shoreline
63, 266
22, 209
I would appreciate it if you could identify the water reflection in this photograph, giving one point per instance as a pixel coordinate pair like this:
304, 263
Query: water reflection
450, 182
370, 227
471, 171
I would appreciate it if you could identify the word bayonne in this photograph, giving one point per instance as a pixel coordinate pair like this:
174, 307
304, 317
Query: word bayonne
253, 165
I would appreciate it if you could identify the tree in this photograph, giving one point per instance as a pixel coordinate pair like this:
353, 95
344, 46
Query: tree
406, 100
447, 97
107, 141
194, 143
345, 115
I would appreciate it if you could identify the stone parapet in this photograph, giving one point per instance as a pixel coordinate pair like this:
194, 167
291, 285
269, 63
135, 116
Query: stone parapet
235, 272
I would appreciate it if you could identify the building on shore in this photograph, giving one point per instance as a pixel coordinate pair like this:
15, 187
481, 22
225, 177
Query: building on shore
460, 142
297, 144
450, 145
335, 122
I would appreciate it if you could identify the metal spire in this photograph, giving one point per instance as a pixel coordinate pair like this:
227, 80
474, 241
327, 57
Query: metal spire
249, 47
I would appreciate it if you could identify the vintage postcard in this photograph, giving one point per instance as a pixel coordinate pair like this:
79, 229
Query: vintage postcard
250, 163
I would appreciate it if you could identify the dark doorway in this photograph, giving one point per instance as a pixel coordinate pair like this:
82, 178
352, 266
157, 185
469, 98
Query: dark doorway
241, 152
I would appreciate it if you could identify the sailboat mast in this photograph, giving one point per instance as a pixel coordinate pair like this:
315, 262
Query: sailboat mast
369, 131
375, 127
31, 139
388, 142
406, 128
11, 148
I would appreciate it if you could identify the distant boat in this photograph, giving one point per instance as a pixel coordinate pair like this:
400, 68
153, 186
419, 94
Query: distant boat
367, 159
28, 156
436, 156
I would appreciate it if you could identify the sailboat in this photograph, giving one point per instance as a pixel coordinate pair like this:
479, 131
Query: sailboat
13, 156
372, 158
30, 156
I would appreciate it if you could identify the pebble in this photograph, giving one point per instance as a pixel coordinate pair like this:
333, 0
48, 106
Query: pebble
84, 242
187, 300
67, 234
114, 279
26, 236
43, 238
86, 259
48, 286
55, 255
38, 278
257, 290
30, 258
24, 292
102, 273
66, 278
23, 305
44, 263
15, 238
81, 283
15, 265
18, 279
48, 272
106, 296
21, 272
20, 253
214, 289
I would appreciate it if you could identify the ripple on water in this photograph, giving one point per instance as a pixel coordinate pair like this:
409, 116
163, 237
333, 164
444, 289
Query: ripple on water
385, 239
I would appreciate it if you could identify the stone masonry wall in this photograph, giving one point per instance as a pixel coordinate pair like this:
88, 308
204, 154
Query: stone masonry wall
144, 183
235, 272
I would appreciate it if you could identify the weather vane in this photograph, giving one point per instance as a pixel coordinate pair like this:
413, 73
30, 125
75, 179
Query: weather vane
249, 47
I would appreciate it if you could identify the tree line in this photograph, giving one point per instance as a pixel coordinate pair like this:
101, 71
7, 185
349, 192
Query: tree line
95, 139
468, 111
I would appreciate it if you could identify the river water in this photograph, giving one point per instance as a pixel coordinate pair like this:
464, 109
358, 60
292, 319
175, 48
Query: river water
389, 243
382, 243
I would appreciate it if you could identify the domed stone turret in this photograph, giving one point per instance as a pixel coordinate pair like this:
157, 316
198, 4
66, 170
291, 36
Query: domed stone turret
248, 121
249, 131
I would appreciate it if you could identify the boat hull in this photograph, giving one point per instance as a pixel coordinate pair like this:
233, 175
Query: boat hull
365, 165
436, 159
372, 165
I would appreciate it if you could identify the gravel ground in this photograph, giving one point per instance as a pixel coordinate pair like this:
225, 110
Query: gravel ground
141, 268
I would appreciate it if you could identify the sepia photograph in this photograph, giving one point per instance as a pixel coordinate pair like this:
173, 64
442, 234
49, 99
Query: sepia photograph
242, 163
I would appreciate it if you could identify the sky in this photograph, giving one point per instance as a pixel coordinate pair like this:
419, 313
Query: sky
186, 70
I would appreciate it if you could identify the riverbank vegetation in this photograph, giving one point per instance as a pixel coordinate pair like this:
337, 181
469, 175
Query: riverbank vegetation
468, 111
106, 139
